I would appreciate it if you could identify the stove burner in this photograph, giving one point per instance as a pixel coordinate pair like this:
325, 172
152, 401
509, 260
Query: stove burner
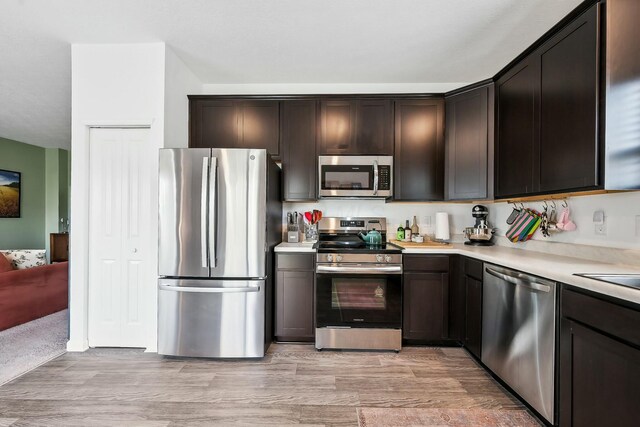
341, 235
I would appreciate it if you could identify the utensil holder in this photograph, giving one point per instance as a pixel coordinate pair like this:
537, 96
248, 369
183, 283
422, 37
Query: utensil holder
310, 232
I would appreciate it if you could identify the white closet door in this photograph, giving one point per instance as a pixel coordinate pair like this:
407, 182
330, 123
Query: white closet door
119, 240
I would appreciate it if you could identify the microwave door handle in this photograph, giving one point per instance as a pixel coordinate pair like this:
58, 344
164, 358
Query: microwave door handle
203, 213
375, 177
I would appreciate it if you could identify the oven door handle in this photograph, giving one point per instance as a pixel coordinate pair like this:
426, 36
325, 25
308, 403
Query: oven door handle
387, 269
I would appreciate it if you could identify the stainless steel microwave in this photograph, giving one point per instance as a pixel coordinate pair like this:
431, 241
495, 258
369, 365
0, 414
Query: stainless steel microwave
368, 177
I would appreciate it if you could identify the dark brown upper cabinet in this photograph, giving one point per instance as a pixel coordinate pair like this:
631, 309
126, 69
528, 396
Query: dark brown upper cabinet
569, 108
298, 129
213, 123
355, 126
259, 125
517, 94
419, 150
374, 124
235, 123
623, 75
469, 144
548, 115
337, 126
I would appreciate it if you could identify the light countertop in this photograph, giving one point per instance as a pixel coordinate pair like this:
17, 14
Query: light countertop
554, 267
295, 247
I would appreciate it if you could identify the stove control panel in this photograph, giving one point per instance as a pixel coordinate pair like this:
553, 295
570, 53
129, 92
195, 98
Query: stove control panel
352, 223
359, 258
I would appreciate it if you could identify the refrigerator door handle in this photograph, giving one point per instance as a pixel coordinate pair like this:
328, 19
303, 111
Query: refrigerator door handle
203, 213
213, 205
243, 289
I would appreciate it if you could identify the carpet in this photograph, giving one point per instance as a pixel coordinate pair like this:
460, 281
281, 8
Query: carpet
378, 417
27, 346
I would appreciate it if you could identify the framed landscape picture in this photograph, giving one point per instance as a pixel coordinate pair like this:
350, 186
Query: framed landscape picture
9, 194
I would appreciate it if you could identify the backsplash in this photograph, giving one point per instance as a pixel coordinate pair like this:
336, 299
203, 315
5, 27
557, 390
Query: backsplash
622, 218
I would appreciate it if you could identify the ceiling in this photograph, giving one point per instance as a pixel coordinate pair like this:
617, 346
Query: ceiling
259, 42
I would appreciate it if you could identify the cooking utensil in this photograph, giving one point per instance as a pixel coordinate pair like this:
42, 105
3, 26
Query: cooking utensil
514, 215
308, 217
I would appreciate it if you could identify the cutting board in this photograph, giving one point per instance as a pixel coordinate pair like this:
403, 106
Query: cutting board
420, 245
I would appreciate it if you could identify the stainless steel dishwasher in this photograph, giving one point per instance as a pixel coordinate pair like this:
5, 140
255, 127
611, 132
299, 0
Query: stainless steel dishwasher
519, 334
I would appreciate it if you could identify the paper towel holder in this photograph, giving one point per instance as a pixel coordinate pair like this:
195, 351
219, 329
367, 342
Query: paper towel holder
442, 227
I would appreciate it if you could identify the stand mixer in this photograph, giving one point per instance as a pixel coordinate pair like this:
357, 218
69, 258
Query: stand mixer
480, 234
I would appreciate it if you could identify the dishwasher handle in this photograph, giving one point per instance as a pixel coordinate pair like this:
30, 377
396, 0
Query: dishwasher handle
525, 283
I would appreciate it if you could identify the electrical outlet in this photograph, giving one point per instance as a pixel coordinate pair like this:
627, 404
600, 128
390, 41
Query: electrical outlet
601, 229
637, 225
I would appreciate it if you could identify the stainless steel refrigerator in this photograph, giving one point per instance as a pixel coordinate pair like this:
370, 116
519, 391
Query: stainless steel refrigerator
220, 218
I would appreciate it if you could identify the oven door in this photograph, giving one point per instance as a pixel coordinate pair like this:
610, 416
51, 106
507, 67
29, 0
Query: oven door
346, 180
358, 300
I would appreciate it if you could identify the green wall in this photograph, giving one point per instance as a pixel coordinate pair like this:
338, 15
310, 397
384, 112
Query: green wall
26, 232
44, 194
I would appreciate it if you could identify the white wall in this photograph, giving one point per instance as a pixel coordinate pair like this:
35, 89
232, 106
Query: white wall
112, 85
396, 213
179, 82
621, 210
326, 88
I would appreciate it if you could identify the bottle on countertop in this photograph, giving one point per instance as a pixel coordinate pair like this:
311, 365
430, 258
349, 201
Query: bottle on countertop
407, 232
414, 227
400, 233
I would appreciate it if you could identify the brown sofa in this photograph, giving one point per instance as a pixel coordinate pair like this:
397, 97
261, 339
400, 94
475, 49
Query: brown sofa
32, 293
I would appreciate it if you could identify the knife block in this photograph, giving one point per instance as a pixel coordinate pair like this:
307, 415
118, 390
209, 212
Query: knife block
293, 236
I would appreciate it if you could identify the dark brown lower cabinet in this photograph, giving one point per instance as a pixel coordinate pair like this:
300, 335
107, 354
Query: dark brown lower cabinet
469, 283
473, 318
599, 362
425, 299
295, 320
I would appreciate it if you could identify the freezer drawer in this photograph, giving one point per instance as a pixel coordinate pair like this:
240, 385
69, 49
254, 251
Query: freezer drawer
211, 318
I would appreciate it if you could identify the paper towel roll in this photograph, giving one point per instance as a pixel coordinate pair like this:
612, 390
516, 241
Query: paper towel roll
442, 226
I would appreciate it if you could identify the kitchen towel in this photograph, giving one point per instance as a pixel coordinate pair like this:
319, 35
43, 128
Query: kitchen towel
442, 226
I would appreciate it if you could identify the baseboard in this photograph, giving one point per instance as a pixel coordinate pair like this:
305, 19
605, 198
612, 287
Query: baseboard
77, 345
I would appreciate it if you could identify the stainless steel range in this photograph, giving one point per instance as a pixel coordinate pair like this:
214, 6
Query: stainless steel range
358, 286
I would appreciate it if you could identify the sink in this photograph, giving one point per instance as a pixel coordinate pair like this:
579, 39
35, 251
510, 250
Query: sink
629, 280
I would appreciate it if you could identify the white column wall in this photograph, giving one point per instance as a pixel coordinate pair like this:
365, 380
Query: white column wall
112, 85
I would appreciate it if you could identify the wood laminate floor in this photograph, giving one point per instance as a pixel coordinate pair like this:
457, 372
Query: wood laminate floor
293, 384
